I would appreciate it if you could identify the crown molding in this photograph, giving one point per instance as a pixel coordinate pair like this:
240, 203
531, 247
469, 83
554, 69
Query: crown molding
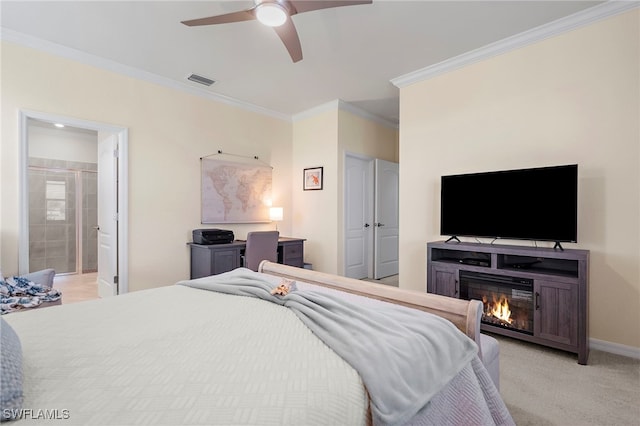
319, 109
346, 106
339, 104
534, 35
116, 67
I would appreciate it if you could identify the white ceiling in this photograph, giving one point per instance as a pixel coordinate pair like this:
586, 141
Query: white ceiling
350, 53
34, 122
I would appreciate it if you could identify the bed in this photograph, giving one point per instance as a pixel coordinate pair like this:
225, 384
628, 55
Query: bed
231, 349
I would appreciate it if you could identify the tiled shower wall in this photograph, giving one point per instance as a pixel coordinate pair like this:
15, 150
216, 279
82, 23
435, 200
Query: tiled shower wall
52, 232
90, 220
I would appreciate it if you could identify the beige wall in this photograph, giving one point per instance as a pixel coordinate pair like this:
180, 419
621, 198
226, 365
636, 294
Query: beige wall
322, 140
357, 135
315, 216
361, 136
168, 132
573, 98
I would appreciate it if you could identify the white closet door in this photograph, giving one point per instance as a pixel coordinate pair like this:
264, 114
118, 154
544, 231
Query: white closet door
386, 219
358, 221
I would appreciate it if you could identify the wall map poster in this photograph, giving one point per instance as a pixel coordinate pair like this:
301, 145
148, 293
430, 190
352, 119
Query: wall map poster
234, 192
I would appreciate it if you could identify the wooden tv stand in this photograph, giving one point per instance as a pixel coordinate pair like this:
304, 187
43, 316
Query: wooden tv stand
560, 280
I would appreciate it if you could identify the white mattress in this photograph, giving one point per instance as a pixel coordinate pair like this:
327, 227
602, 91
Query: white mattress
187, 357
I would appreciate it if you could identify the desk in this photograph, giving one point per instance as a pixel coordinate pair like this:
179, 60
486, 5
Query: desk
218, 258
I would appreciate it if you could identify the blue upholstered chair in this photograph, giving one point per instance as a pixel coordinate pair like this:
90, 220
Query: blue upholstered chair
43, 277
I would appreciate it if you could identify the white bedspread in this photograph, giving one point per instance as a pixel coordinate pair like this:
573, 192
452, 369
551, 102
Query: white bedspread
404, 356
177, 355
182, 360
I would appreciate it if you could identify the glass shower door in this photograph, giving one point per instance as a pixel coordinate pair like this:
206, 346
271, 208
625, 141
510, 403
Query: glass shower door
53, 219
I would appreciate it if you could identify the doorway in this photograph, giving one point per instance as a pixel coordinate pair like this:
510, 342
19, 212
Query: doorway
62, 179
370, 217
58, 189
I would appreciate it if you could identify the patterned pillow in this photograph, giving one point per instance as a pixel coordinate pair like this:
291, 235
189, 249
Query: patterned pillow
10, 372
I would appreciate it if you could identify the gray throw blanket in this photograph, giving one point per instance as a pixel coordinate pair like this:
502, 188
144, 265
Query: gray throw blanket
403, 356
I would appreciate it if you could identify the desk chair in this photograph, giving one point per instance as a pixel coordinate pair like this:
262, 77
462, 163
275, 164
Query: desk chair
261, 245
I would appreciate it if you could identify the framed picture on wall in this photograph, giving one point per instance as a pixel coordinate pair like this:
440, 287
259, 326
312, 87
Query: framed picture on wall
312, 179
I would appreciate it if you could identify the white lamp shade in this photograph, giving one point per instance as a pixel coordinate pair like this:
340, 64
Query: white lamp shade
271, 14
275, 213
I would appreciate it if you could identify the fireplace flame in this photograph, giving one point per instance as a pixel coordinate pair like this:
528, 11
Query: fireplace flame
498, 308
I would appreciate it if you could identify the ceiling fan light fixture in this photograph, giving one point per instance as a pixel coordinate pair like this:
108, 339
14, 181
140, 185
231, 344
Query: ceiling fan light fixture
271, 14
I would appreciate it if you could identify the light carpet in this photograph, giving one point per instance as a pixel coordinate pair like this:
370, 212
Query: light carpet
391, 280
544, 386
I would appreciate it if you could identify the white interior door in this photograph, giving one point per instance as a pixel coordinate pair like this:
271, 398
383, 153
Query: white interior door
386, 219
358, 217
107, 214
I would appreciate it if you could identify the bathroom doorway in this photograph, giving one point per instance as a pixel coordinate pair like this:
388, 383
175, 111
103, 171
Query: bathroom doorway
62, 177
64, 184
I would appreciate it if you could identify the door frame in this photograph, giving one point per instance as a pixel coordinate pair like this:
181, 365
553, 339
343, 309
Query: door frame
23, 187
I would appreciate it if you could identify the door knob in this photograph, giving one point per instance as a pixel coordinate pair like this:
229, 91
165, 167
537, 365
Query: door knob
379, 224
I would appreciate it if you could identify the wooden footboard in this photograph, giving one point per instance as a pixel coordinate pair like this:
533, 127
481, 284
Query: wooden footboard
465, 314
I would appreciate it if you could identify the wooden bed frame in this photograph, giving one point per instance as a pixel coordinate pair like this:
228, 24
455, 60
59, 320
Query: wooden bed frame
465, 314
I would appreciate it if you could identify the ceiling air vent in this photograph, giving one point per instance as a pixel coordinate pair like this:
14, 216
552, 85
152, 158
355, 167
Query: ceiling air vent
200, 79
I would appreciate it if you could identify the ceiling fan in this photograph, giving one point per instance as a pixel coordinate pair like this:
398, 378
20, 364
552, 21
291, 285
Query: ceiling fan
277, 14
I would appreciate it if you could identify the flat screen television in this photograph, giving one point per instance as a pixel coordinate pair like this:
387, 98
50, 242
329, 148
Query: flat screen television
527, 204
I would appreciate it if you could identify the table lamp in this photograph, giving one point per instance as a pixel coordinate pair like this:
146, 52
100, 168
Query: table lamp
275, 215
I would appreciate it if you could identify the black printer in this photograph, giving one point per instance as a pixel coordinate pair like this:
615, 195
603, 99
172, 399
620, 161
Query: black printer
212, 236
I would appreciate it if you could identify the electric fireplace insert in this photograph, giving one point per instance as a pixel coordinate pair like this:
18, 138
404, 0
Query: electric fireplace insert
508, 301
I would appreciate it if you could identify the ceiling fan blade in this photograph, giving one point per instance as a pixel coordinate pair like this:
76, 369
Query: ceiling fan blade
289, 36
243, 15
309, 5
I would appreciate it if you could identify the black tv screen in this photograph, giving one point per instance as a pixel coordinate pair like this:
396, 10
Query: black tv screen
529, 204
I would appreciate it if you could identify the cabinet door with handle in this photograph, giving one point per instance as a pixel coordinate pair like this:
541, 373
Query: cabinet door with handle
444, 281
556, 312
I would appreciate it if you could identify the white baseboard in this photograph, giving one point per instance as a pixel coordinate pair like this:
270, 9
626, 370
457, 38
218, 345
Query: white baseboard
614, 348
